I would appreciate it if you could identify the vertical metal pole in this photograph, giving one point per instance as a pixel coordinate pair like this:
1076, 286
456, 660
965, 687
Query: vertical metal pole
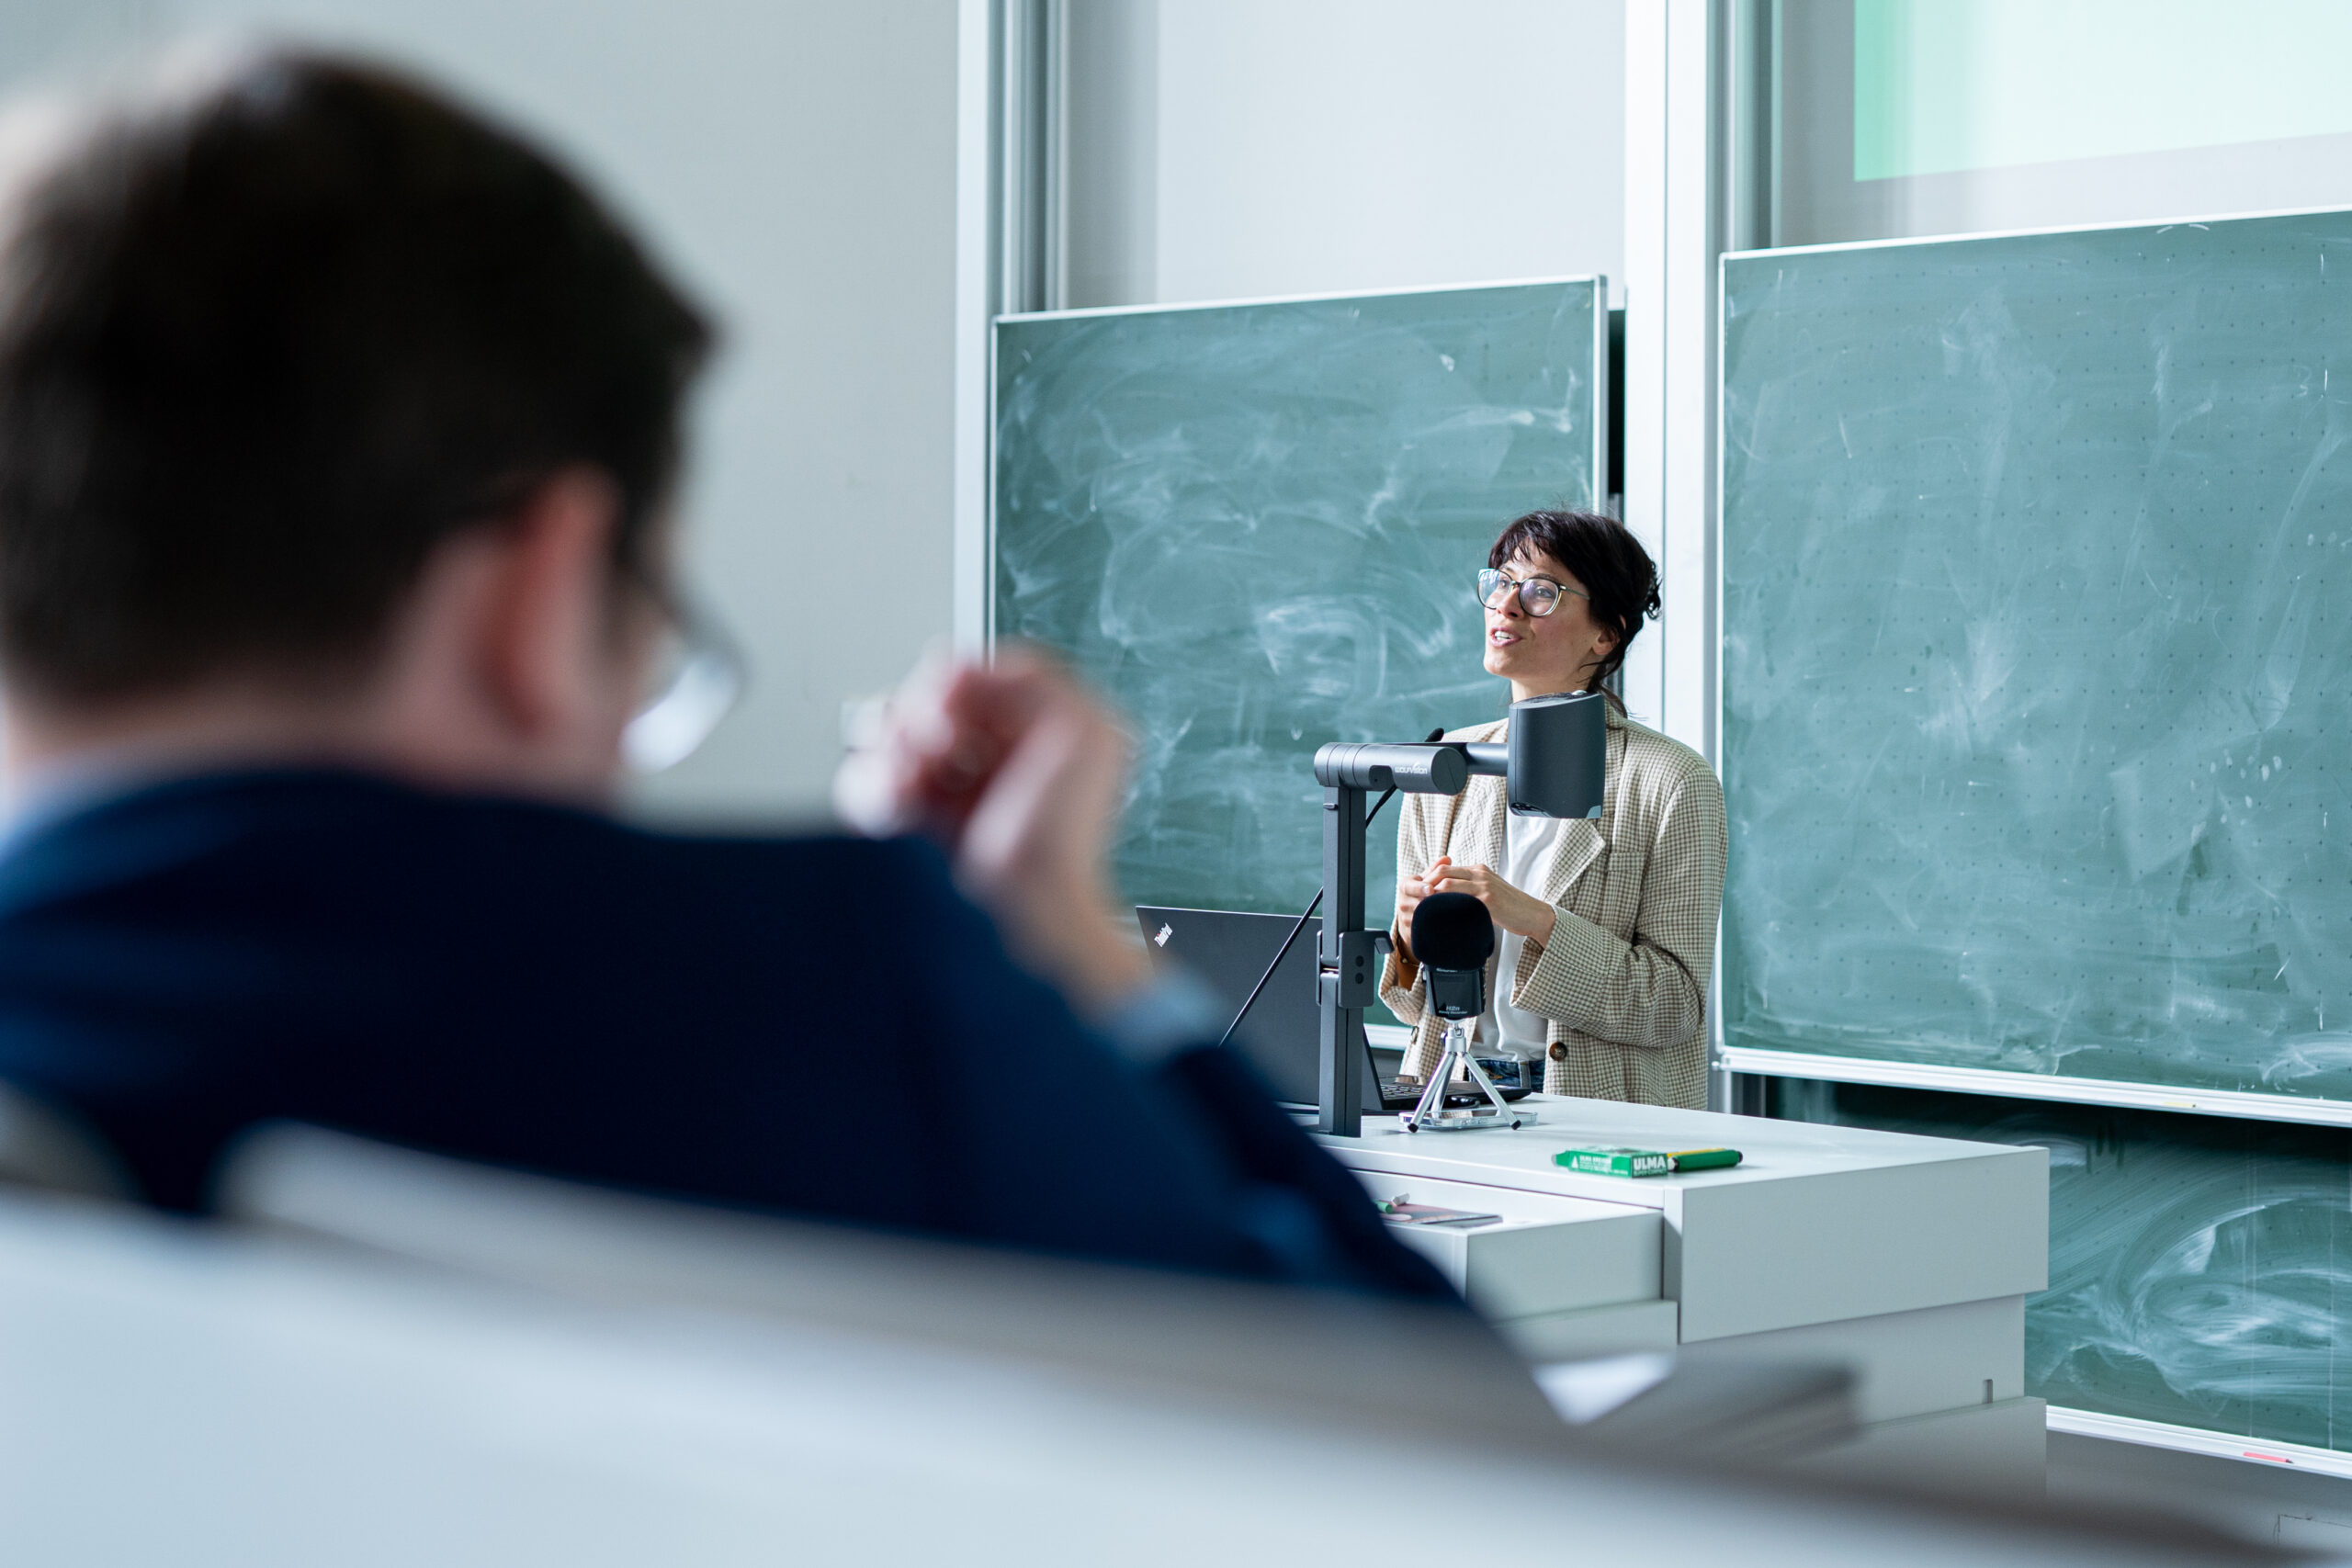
1028, 156
1053, 161
975, 305
1339, 1081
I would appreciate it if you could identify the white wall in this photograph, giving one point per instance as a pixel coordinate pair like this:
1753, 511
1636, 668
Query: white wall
1233, 149
797, 160
794, 160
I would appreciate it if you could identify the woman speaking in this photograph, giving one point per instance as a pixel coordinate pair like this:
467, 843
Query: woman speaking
1607, 927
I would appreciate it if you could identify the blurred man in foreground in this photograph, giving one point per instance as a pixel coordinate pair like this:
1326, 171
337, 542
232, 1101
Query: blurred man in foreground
337, 434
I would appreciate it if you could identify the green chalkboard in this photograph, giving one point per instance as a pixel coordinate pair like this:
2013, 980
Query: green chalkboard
2199, 1268
2037, 658
1258, 528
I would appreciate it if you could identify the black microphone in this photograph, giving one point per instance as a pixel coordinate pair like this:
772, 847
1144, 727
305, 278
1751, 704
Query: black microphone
1453, 936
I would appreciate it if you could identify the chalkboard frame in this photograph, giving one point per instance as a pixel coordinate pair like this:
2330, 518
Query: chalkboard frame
1760, 1062
1587, 350
1763, 1063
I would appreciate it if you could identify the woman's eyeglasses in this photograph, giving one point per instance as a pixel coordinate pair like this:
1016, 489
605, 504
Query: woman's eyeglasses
697, 676
1537, 595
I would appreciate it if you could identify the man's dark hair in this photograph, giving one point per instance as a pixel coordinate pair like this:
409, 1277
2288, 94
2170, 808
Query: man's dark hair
1606, 559
266, 338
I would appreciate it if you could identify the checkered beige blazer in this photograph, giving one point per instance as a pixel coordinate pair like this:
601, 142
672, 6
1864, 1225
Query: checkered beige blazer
1623, 978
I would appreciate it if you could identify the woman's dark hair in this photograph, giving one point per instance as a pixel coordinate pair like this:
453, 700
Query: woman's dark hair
271, 332
1603, 555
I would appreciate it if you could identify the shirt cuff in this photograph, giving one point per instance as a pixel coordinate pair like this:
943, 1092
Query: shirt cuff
1173, 1014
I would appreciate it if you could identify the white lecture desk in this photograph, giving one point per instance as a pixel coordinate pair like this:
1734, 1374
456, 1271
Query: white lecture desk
1908, 1258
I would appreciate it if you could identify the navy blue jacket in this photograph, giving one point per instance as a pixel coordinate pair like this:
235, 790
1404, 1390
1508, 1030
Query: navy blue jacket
548, 989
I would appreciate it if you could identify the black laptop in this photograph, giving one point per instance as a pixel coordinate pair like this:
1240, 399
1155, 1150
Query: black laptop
1227, 950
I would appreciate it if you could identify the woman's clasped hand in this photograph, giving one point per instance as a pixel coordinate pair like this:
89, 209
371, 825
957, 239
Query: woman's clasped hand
1517, 911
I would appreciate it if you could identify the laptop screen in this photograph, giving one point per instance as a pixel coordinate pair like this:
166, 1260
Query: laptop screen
1227, 952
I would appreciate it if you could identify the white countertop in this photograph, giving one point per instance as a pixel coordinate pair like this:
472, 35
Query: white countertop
1815, 1224
1521, 1158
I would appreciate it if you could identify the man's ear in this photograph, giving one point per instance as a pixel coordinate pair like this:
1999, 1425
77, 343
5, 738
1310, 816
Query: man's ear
546, 621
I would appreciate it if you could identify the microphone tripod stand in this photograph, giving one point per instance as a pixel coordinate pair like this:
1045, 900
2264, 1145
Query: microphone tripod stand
1433, 1114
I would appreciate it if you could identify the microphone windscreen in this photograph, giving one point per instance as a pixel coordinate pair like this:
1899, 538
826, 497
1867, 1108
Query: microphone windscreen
1453, 930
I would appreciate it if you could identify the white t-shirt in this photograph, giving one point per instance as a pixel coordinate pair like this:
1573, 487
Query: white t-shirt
1505, 1031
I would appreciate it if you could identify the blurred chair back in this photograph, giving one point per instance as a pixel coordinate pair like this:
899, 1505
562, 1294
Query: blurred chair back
1337, 1355
200, 1392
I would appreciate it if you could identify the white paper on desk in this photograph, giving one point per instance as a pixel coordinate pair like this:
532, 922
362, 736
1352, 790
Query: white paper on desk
1398, 1212
1586, 1391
